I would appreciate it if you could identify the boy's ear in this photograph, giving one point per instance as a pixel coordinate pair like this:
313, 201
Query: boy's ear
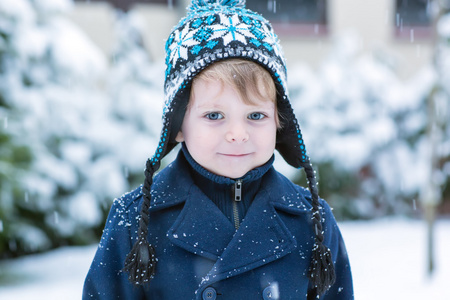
179, 138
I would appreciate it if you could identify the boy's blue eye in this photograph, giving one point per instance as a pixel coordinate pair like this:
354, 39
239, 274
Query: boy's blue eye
214, 116
256, 116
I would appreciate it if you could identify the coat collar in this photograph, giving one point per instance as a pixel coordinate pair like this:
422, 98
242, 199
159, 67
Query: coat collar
201, 228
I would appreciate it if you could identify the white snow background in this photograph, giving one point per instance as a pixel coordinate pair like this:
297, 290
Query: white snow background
388, 259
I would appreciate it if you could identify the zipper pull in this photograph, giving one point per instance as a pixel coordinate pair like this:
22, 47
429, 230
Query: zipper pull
238, 190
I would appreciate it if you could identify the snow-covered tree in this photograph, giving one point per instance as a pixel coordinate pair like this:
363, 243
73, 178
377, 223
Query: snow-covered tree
48, 78
67, 146
442, 99
76, 128
364, 128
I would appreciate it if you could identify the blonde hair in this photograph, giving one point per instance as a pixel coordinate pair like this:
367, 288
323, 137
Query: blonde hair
250, 80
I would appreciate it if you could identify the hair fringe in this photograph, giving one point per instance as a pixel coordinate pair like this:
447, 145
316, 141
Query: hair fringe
250, 80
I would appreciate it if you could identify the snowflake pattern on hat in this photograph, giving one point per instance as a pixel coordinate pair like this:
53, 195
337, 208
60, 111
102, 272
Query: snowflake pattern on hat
206, 32
213, 32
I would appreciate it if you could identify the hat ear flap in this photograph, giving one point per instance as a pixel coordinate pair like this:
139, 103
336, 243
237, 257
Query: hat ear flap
289, 138
291, 147
176, 115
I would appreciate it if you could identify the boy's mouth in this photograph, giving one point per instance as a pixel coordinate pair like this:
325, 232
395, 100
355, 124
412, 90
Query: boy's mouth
234, 155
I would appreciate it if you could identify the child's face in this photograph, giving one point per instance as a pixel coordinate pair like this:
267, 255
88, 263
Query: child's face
223, 134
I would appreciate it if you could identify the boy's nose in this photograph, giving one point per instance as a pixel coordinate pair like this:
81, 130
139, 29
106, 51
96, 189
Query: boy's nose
237, 134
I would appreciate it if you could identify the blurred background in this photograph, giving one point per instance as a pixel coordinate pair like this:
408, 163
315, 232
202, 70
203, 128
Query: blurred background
81, 96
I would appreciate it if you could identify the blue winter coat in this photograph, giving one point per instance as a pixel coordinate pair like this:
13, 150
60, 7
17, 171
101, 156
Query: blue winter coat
202, 256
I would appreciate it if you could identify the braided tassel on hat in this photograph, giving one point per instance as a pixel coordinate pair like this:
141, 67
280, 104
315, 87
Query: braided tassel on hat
140, 263
322, 271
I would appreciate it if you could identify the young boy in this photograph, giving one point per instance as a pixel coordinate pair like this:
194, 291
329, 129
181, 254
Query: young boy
219, 222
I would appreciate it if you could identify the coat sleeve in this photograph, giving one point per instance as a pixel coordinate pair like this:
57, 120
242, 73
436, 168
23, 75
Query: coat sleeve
105, 279
343, 287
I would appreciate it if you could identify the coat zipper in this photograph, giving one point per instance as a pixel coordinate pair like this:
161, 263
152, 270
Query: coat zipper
237, 198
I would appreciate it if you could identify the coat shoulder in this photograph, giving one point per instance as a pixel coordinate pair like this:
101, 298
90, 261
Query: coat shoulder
286, 194
127, 206
292, 197
171, 185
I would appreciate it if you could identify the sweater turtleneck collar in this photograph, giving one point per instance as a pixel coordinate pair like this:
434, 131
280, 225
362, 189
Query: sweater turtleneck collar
222, 190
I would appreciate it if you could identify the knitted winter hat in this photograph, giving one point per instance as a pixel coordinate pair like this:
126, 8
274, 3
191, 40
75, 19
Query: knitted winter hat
215, 30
